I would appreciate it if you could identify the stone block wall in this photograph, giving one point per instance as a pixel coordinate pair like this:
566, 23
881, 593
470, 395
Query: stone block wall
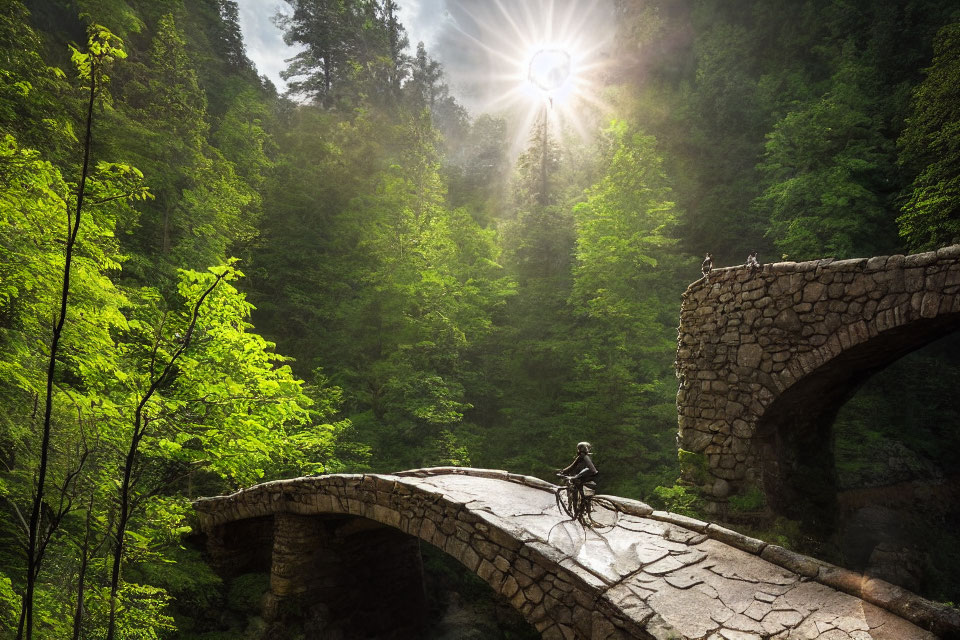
563, 593
556, 597
766, 358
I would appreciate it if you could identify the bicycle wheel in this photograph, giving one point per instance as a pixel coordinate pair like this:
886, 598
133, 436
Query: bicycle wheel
579, 504
563, 501
602, 513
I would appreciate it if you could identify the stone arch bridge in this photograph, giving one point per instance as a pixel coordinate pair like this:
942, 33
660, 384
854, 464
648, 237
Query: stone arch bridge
343, 556
766, 359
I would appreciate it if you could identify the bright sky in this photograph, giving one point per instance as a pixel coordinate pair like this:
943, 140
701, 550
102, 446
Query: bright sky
267, 50
264, 42
479, 42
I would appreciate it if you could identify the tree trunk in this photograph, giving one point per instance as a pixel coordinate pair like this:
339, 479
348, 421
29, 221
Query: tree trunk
73, 228
81, 578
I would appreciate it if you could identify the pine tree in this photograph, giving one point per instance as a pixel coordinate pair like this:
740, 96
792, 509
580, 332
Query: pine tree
930, 146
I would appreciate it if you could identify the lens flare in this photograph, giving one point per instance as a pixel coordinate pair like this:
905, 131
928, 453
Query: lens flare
544, 59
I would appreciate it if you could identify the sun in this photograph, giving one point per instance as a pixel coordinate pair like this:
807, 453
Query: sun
547, 76
545, 61
549, 70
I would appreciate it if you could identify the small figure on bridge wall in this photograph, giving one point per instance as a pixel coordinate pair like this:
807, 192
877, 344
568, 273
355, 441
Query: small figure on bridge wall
706, 266
752, 263
581, 470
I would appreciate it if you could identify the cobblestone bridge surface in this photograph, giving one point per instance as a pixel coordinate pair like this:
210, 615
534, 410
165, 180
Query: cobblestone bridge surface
766, 359
649, 574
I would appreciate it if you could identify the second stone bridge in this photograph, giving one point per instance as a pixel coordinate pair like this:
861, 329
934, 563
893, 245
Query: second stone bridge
342, 552
767, 358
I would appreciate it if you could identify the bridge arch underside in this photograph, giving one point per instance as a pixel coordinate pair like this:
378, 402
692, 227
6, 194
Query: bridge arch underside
330, 576
361, 575
793, 440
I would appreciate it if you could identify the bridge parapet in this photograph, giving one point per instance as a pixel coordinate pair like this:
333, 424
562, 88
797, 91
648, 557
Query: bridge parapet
655, 575
765, 359
558, 597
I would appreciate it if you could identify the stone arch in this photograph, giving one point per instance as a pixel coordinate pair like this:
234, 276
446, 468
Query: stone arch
558, 602
793, 437
765, 360
653, 575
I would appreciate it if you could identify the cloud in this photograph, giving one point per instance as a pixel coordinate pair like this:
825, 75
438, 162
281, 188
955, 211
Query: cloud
423, 20
263, 40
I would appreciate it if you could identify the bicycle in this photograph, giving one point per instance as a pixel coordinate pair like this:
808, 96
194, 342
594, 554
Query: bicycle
582, 505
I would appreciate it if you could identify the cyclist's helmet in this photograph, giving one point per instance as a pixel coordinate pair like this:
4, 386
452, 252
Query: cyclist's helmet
583, 447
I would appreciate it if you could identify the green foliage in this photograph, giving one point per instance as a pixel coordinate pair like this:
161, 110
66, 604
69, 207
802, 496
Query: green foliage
352, 51
181, 571
693, 466
246, 591
203, 207
230, 409
103, 47
9, 604
443, 308
929, 145
893, 438
31, 89
826, 163
142, 612
446, 579
626, 271
680, 499
785, 533
231, 394
414, 281
875, 452
753, 499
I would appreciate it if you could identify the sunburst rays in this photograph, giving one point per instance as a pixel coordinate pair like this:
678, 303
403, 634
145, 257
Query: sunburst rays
520, 37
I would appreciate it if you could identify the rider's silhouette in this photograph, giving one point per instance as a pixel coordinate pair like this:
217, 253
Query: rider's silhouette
581, 470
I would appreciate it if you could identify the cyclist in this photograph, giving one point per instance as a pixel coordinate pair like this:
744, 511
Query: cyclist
581, 471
